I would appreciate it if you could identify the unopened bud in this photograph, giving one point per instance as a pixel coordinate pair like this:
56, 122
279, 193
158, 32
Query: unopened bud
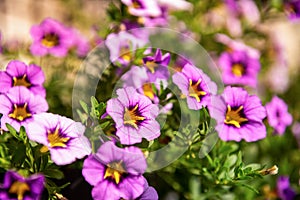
272, 171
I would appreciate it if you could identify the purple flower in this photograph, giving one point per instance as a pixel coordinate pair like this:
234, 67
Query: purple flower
161, 20
149, 193
237, 10
134, 115
142, 8
236, 45
296, 132
284, 191
51, 37
115, 173
175, 4
278, 116
19, 74
292, 7
157, 65
144, 86
63, 137
239, 68
80, 43
238, 115
122, 45
17, 187
195, 85
19, 105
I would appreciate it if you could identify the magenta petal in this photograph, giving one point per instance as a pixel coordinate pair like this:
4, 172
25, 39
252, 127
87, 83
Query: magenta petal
6, 82
90, 168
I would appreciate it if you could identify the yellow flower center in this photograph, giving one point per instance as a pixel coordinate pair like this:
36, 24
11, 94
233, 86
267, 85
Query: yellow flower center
151, 65
125, 53
234, 117
21, 81
115, 171
194, 90
20, 113
238, 69
50, 40
131, 117
148, 91
19, 188
56, 140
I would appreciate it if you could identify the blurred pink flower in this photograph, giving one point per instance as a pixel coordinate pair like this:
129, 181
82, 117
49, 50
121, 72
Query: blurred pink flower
278, 116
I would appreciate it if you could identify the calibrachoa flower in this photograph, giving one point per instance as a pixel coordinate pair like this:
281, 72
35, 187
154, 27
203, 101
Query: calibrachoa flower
238, 9
175, 4
19, 74
134, 115
122, 45
16, 186
51, 37
292, 7
239, 68
144, 86
63, 137
239, 115
19, 105
149, 193
142, 8
157, 65
115, 173
296, 132
80, 43
278, 116
284, 191
195, 85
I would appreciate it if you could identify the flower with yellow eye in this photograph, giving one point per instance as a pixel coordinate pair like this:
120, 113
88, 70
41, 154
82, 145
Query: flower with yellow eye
19, 105
16, 186
18, 73
63, 137
239, 67
195, 85
115, 173
134, 115
239, 115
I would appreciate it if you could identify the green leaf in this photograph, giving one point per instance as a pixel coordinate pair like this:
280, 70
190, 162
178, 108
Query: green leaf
53, 173
19, 154
84, 106
13, 131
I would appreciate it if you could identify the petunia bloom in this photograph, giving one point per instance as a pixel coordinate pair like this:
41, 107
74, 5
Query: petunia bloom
122, 46
134, 115
157, 65
238, 67
19, 105
16, 186
284, 191
19, 74
115, 173
278, 116
196, 86
238, 115
142, 8
51, 37
63, 137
